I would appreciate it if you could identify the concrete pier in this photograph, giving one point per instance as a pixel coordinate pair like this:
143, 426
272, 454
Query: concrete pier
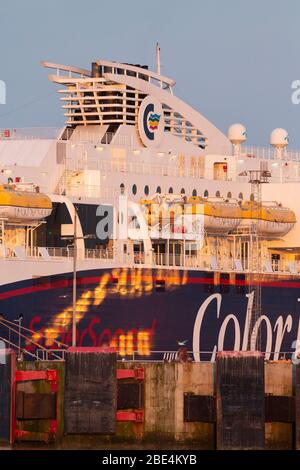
171, 403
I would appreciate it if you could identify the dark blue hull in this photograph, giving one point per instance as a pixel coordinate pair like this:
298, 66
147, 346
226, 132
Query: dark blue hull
156, 308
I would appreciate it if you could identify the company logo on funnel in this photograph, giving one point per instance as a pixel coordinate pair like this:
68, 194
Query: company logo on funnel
151, 122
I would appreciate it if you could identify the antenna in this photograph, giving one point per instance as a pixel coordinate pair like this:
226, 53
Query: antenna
158, 58
237, 134
279, 140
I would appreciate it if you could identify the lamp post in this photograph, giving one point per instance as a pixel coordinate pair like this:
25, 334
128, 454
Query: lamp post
74, 239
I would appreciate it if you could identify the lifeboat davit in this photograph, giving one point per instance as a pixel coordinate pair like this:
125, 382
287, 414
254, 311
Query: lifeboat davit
23, 206
272, 219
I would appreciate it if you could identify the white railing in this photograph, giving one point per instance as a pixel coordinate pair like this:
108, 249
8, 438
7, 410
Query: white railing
284, 266
181, 355
51, 354
269, 153
66, 183
67, 252
201, 262
30, 133
91, 191
90, 136
221, 264
99, 254
56, 253
168, 260
119, 166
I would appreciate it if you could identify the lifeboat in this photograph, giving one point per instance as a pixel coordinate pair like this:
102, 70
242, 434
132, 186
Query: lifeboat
23, 206
273, 219
220, 215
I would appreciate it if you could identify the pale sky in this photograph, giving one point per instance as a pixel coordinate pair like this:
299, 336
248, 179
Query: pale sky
233, 60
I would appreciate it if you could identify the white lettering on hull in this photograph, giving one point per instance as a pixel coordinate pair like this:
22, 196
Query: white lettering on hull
281, 329
198, 323
257, 326
237, 333
241, 338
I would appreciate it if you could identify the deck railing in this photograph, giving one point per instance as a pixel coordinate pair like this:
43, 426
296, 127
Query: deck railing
30, 133
219, 264
269, 153
181, 260
160, 356
54, 253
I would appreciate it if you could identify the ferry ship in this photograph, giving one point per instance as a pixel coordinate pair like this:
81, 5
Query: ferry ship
149, 225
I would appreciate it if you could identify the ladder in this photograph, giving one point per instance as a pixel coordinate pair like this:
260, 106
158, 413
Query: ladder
257, 178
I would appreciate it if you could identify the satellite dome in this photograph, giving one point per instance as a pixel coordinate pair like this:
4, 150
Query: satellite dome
279, 138
237, 134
